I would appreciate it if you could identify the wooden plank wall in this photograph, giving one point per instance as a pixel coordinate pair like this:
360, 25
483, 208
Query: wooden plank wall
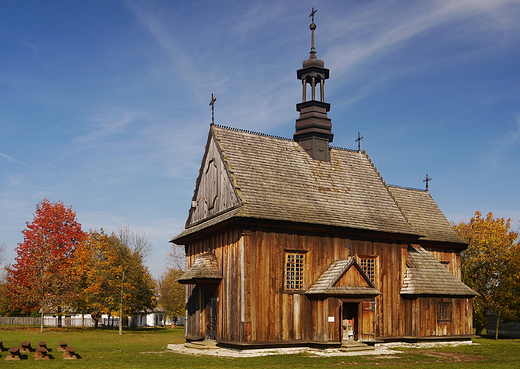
225, 246
451, 256
276, 316
424, 317
215, 192
253, 306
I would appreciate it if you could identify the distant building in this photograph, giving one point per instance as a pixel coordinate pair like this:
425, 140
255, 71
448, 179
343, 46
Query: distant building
295, 242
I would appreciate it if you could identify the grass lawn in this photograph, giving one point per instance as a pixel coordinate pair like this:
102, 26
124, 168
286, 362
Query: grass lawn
144, 348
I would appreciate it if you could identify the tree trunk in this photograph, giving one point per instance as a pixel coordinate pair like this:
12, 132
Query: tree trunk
59, 317
96, 320
41, 322
498, 322
121, 305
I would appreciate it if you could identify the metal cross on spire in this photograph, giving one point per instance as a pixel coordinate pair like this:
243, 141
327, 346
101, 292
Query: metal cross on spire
358, 140
212, 104
312, 27
312, 14
426, 180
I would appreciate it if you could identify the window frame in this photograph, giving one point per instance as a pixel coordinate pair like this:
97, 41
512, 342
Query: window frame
444, 312
299, 285
375, 259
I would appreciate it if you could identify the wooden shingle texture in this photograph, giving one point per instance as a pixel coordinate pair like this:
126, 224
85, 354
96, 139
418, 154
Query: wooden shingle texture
425, 275
325, 285
423, 214
278, 180
205, 268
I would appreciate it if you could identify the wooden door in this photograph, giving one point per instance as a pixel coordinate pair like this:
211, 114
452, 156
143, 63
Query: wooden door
211, 311
368, 313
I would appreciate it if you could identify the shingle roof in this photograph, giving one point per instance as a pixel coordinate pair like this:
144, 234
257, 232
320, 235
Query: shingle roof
423, 214
204, 269
325, 285
277, 180
425, 275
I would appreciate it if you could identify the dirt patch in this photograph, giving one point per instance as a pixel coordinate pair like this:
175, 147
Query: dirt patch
449, 356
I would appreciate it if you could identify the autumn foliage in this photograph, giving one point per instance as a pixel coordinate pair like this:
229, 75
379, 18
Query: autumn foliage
42, 276
172, 294
60, 268
491, 266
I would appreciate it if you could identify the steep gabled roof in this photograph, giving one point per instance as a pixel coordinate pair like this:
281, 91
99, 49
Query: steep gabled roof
425, 275
278, 180
326, 283
423, 214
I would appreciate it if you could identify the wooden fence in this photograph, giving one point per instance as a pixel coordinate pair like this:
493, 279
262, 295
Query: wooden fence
509, 330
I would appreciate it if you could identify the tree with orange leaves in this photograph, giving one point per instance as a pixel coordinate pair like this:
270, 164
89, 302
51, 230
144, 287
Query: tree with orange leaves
114, 279
491, 266
42, 278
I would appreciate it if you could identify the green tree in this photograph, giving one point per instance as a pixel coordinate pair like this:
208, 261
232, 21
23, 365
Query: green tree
491, 266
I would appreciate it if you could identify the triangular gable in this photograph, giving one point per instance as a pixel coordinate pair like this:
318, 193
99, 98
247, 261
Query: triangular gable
425, 275
204, 270
353, 277
343, 278
215, 191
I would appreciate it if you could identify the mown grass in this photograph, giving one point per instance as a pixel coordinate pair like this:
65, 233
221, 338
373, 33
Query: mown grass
142, 348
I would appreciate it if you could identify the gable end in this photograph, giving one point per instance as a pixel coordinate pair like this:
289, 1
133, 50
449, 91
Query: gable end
215, 190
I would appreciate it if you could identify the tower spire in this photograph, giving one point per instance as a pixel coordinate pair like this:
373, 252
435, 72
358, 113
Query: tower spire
313, 28
313, 128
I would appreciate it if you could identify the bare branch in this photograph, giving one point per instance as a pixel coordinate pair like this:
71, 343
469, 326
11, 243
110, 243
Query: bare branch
2, 253
176, 258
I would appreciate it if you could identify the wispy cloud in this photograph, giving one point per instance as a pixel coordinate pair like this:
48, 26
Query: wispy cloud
360, 40
108, 123
504, 145
192, 78
13, 160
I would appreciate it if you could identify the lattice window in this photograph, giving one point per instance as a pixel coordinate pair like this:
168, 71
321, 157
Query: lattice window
444, 312
369, 267
294, 271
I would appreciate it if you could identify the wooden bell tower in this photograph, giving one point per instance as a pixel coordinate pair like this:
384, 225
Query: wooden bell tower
313, 128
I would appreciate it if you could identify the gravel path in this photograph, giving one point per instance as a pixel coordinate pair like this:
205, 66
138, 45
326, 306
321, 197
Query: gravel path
380, 349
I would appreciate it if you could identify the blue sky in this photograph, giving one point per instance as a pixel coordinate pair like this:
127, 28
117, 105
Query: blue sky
104, 104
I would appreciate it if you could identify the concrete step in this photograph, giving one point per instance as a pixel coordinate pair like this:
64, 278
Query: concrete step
202, 345
348, 346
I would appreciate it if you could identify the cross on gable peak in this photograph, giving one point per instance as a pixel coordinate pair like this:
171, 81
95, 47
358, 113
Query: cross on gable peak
212, 104
426, 180
358, 140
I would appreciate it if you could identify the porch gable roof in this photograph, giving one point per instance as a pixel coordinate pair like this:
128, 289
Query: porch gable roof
425, 275
326, 283
204, 270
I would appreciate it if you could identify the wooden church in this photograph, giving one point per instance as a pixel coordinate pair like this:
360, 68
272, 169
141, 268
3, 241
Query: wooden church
295, 242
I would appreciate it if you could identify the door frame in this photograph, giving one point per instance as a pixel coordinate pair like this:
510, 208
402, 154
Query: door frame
361, 315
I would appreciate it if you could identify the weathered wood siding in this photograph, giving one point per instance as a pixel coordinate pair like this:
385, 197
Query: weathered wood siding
424, 317
214, 192
226, 247
253, 306
449, 257
280, 316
